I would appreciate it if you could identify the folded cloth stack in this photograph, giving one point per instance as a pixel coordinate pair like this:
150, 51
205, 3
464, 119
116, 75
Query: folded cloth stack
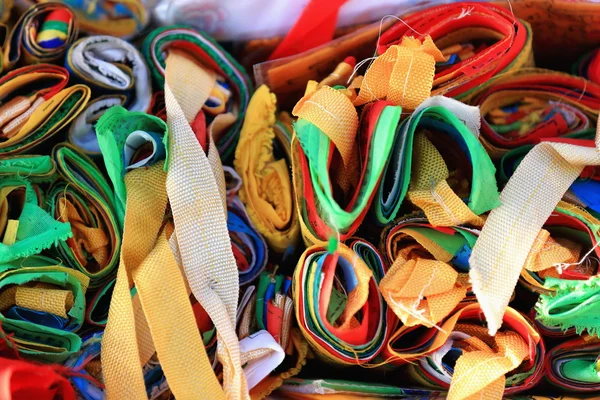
567, 235
420, 223
36, 105
573, 365
437, 159
524, 107
249, 247
510, 362
42, 305
338, 306
477, 41
122, 18
335, 180
228, 87
117, 74
262, 158
43, 34
84, 199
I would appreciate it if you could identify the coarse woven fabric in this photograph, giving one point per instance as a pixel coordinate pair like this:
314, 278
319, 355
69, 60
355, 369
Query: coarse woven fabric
197, 202
147, 261
403, 75
528, 199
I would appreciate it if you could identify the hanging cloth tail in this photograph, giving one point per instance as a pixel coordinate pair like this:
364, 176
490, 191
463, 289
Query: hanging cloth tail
196, 194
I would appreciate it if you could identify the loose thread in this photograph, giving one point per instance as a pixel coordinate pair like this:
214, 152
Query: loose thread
562, 266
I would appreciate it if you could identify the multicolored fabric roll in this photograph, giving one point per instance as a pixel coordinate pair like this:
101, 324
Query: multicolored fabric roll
477, 41
231, 90
121, 18
429, 273
574, 365
88, 380
31, 119
249, 247
335, 178
42, 35
267, 189
273, 308
440, 166
330, 290
84, 199
569, 233
117, 74
445, 357
524, 107
42, 306
96, 313
588, 66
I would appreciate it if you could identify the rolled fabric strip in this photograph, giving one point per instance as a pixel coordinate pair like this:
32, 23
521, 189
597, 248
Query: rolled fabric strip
445, 357
477, 41
588, 66
97, 309
249, 247
329, 290
568, 234
121, 18
47, 107
231, 88
117, 74
25, 228
573, 365
84, 198
43, 307
42, 35
267, 190
440, 166
429, 273
527, 106
337, 162
511, 160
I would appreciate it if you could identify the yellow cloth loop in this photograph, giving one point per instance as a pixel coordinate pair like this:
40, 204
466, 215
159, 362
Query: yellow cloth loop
429, 189
267, 186
402, 75
147, 261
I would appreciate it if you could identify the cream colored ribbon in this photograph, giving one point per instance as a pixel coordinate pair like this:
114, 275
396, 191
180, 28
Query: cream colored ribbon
528, 199
195, 186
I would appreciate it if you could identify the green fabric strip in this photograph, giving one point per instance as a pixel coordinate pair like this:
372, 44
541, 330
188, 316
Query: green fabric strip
37, 230
112, 130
